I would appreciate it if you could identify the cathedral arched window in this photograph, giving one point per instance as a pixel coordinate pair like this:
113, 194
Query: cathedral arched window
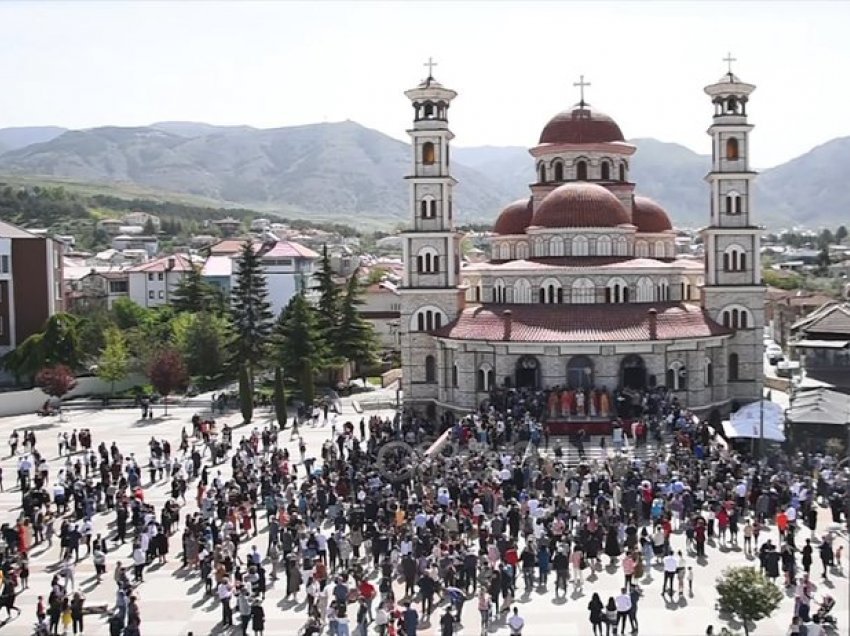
556, 246
427, 319
499, 291
428, 110
551, 292
541, 172
732, 149
603, 246
733, 203
736, 317
580, 246
605, 171
621, 246
583, 291
455, 374
430, 370
645, 290
734, 259
558, 171
428, 153
677, 376
428, 207
732, 371
505, 251
641, 249
659, 249
663, 290
670, 249
485, 378
428, 261
616, 291
708, 370
581, 171
522, 250
622, 169
522, 291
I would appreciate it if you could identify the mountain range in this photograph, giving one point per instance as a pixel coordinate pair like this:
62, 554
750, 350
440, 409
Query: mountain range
344, 171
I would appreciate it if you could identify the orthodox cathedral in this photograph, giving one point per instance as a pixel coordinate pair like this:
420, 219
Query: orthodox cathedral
583, 293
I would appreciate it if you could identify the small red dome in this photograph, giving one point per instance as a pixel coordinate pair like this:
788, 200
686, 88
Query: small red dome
514, 218
649, 217
580, 204
580, 125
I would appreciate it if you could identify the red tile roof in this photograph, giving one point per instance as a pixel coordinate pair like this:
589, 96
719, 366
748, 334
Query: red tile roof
580, 125
580, 204
181, 264
626, 322
289, 249
514, 218
650, 217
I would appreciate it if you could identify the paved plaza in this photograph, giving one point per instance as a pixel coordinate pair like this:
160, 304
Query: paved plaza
172, 600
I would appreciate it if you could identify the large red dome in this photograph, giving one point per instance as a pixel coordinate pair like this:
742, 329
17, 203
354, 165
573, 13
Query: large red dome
649, 217
514, 218
581, 125
580, 204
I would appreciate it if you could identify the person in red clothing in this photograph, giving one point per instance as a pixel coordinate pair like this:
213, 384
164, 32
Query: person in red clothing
512, 559
722, 523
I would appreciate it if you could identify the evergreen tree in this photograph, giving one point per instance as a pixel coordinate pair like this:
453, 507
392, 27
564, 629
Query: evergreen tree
279, 398
114, 360
841, 234
329, 295
252, 316
203, 338
301, 348
193, 293
246, 393
355, 338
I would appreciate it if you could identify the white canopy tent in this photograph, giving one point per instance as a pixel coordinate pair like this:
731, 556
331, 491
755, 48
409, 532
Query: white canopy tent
747, 422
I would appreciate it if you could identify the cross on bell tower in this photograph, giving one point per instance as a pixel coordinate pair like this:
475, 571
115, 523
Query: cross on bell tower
729, 59
430, 64
581, 85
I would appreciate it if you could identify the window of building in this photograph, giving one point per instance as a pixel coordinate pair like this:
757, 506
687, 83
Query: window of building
622, 171
556, 246
605, 171
558, 171
734, 259
732, 368
428, 319
732, 149
641, 249
505, 251
603, 246
663, 289
550, 292
737, 318
709, 372
428, 153
616, 291
485, 378
522, 250
733, 203
118, 286
454, 376
430, 370
428, 208
581, 171
428, 261
499, 291
621, 246
151, 295
150, 277
522, 291
580, 246
659, 249
677, 376
580, 372
541, 173
4, 264
583, 291
161, 294
645, 290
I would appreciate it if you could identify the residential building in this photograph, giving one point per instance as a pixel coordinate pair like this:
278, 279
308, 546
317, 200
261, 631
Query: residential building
31, 283
153, 283
382, 307
136, 242
99, 289
822, 342
783, 308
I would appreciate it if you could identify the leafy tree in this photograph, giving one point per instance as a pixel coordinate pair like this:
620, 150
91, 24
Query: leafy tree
56, 381
128, 314
252, 316
301, 348
841, 234
825, 238
194, 294
61, 341
747, 594
167, 373
93, 327
246, 393
203, 338
114, 361
354, 339
26, 359
279, 398
150, 227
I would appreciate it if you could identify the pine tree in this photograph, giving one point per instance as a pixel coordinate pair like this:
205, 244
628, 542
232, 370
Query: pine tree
114, 361
279, 398
252, 316
193, 293
246, 394
329, 294
301, 348
355, 338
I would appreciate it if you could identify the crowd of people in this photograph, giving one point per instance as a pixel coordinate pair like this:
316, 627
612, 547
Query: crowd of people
374, 535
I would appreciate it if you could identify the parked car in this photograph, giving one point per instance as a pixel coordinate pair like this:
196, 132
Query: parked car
774, 353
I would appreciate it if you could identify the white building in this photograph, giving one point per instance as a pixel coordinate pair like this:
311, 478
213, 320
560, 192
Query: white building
289, 269
381, 307
153, 283
583, 293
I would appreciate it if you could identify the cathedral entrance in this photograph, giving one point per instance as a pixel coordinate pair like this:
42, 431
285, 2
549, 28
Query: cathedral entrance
527, 373
633, 373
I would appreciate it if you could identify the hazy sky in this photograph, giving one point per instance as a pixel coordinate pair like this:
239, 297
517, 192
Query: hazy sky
272, 64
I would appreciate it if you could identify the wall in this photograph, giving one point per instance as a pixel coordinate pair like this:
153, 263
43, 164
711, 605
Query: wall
28, 401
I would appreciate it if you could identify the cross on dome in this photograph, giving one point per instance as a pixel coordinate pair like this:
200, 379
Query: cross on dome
581, 84
729, 59
430, 64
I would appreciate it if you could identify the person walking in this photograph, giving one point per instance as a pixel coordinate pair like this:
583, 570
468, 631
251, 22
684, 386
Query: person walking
671, 565
624, 607
597, 616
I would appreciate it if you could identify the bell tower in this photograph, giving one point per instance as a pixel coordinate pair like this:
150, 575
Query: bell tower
431, 296
733, 292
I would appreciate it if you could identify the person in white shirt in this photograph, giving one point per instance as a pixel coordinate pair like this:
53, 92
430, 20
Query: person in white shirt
624, 605
516, 623
671, 564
